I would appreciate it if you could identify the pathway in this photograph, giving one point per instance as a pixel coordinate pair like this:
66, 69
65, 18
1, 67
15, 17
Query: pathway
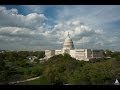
24, 80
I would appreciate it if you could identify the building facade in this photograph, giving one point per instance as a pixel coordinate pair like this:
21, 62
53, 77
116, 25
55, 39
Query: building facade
79, 54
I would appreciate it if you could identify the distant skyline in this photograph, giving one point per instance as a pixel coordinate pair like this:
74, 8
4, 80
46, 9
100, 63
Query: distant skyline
40, 27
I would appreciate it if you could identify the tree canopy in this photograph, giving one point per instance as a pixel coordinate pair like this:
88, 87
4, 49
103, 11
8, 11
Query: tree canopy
59, 69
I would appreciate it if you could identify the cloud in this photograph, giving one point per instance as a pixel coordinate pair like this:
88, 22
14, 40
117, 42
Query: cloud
94, 15
30, 31
12, 18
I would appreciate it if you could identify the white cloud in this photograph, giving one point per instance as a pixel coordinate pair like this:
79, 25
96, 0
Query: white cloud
94, 15
12, 18
79, 32
31, 31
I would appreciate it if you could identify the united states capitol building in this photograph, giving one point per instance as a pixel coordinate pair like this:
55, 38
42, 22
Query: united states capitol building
79, 54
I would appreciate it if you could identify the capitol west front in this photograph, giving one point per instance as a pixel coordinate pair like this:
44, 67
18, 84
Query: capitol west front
79, 54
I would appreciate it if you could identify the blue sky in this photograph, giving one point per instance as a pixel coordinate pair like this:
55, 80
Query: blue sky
40, 27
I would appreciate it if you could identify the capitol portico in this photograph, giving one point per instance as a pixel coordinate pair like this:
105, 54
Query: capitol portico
79, 54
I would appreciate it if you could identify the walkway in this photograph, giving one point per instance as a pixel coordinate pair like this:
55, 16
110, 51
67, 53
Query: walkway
24, 80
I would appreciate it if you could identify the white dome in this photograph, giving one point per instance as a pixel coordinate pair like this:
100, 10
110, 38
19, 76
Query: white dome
68, 43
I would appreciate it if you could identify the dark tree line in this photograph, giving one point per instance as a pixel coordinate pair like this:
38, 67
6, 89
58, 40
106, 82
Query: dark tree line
59, 69
15, 66
63, 69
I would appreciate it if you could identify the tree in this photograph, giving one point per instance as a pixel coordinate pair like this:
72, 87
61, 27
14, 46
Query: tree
2, 65
108, 53
36, 71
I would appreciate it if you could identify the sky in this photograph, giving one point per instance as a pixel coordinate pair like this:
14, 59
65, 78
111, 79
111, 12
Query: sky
40, 27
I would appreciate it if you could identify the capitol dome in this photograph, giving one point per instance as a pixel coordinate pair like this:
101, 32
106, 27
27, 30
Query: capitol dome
68, 43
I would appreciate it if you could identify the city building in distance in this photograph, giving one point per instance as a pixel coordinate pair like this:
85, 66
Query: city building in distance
79, 54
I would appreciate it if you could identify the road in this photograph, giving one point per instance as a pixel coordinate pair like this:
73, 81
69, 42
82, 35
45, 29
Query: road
10, 83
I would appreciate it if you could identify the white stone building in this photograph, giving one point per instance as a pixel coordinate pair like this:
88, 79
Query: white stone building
79, 54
